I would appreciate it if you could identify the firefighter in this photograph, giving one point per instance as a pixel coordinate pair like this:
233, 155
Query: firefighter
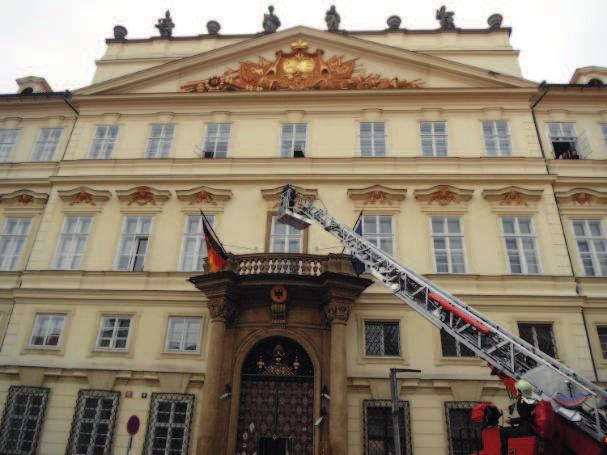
520, 426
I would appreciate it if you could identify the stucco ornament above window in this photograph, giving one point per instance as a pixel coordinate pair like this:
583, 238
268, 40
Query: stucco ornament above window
297, 70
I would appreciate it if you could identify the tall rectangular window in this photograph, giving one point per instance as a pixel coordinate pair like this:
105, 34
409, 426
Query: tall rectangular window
183, 334
497, 138
592, 246
564, 140
169, 424
22, 420
12, 241
372, 139
293, 138
433, 138
72, 242
602, 333
539, 335
47, 330
134, 243
377, 229
604, 130
48, 140
382, 338
464, 435
114, 332
193, 246
453, 348
379, 431
520, 245
160, 140
217, 140
448, 243
104, 142
8, 137
93, 424
284, 238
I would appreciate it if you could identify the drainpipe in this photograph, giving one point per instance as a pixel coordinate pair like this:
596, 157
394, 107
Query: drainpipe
544, 86
596, 374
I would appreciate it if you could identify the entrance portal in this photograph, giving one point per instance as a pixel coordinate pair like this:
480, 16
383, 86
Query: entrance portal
276, 400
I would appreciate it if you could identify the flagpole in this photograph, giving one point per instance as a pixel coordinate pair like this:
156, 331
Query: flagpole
358, 218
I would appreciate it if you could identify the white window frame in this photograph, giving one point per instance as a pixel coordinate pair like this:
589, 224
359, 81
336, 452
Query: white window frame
113, 338
212, 142
575, 139
286, 237
161, 140
137, 237
200, 249
592, 242
447, 236
54, 320
8, 139
375, 140
535, 342
294, 139
187, 321
500, 150
71, 240
45, 148
11, 260
376, 237
434, 137
105, 142
520, 250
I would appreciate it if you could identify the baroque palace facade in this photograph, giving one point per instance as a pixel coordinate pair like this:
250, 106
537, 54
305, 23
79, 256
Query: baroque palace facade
492, 185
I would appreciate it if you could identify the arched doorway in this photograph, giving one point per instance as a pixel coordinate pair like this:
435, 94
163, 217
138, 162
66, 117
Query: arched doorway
276, 400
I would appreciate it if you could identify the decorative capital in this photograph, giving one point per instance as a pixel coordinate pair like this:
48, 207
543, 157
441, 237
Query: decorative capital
221, 308
338, 311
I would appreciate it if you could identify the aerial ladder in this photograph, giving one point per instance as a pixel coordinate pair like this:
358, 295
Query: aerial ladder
510, 355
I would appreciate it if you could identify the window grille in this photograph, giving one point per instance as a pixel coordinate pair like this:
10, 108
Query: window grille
183, 334
12, 241
217, 140
93, 424
602, 333
453, 348
194, 247
378, 428
464, 436
448, 243
434, 138
104, 141
564, 140
8, 137
497, 138
22, 420
372, 139
382, 338
293, 137
520, 245
160, 140
592, 246
47, 330
377, 229
47, 143
114, 332
72, 242
284, 238
539, 335
169, 424
134, 244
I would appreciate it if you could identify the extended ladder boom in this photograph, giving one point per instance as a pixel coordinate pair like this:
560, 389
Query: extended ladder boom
511, 355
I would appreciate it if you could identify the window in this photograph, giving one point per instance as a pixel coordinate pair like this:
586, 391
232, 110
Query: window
539, 335
160, 140
47, 143
372, 139
47, 330
183, 334
434, 138
448, 243
169, 424
602, 333
453, 348
378, 429
104, 142
217, 140
8, 137
12, 241
93, 424
497, 138
134, 243
114, 332
22, 420
377, 229
284, 238
293, 140
382, 338
464, 435
564, 141
520, 245
592, 246
72, 242
604, 130
193, 247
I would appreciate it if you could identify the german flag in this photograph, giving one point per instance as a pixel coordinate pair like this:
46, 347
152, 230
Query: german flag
216, 254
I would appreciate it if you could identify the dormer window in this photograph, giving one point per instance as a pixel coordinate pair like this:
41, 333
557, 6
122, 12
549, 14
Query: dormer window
564, 141
27, 91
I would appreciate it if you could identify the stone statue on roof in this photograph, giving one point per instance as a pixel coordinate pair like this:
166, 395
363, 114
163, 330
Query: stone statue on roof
332, 19
270, 21
445, 18
165, 25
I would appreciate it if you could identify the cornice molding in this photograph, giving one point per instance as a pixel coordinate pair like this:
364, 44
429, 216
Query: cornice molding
24, 199
143, 196
377, 196
446, 197
272, 195
84, 196
511, 197
582, 199
205, 196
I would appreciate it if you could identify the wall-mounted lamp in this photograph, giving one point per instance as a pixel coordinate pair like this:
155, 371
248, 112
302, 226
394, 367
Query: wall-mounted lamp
227, 392
324, 393
323, 414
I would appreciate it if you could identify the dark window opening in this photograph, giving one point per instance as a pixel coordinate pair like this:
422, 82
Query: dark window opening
594, 82
541, 336
298, 152
379, 432
565, 150
27, 91
463, 434
142, 245
453, 348
382, 338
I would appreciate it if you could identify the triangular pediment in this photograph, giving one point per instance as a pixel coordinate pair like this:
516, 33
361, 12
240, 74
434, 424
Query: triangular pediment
303, 58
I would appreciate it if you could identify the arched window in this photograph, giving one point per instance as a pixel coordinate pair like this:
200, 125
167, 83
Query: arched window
594, 82
27, 91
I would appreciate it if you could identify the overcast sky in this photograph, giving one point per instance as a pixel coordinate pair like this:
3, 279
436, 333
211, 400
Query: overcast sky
60, 39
